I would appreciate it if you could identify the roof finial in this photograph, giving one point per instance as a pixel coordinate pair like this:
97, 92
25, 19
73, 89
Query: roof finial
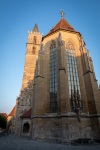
62, 14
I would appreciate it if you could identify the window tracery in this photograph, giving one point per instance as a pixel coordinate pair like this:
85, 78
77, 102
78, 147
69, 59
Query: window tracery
73, 79
53, 79
70, 45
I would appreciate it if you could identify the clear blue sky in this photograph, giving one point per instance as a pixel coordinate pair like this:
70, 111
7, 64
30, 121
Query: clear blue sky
17, 17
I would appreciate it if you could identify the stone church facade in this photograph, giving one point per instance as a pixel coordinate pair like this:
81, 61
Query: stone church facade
59, 99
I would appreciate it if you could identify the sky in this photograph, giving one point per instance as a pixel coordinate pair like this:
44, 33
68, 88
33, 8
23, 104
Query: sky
17, 17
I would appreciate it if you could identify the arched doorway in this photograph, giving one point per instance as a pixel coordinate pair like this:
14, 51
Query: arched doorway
26, 127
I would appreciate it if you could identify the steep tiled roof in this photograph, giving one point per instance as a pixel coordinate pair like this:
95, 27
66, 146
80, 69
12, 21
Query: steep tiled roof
12, 112
27, 114
62, 24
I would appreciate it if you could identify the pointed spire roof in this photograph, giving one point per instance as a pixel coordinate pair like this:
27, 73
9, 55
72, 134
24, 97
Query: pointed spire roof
61, 25
35, 28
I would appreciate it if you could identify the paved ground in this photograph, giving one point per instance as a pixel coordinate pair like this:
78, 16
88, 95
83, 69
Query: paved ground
13, 142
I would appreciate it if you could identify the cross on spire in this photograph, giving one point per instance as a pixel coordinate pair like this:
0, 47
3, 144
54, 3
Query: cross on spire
62, 14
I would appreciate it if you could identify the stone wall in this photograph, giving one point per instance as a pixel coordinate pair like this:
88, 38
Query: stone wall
62, 129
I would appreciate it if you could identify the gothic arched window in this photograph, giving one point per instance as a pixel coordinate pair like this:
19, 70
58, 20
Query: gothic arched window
53, 79
73, 78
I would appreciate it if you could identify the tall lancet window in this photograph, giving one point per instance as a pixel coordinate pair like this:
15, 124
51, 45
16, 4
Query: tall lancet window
53, 79
34, 40
73, 79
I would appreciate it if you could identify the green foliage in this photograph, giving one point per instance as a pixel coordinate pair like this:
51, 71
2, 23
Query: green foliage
3, 121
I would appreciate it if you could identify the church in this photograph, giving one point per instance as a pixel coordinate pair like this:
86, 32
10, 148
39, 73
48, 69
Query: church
59, 98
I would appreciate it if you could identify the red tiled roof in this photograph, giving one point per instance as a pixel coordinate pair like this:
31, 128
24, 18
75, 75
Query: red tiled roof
62, 24
27, 114
4, 114
12, 112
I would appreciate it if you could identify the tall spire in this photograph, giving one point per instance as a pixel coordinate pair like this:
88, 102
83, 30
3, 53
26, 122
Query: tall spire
35, 28
62, 14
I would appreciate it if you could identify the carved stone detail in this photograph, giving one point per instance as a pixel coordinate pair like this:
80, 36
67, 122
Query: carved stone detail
70, 45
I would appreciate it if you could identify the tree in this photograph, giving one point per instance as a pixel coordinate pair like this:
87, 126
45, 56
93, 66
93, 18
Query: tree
3, 121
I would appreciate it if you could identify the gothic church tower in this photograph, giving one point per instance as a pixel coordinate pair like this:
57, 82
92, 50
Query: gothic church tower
32, 48
24, 101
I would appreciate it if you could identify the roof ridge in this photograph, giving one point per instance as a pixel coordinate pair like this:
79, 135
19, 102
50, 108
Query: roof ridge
53, 27
61, 23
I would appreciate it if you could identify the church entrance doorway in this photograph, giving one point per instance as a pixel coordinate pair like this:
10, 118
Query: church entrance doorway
26, 127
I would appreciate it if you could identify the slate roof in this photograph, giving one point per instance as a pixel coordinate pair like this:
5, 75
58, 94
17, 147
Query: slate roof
27, 114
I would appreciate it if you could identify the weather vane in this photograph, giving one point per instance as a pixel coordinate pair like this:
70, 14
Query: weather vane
62, 13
